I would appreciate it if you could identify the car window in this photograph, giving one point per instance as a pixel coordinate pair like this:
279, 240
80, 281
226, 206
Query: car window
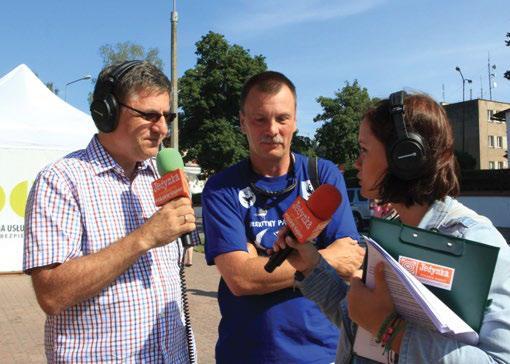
350, 193
361, 198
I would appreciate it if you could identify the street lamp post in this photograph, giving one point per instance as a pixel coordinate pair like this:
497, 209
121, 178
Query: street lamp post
463, 108
463, 83
174, 138
86, 77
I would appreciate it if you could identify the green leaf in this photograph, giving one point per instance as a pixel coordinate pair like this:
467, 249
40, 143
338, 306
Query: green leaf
209, 99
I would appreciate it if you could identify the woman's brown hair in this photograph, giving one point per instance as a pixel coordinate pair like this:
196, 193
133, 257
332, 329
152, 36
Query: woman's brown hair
427, 118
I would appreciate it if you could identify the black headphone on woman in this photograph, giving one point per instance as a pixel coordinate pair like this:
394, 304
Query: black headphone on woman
407, 155
105, 109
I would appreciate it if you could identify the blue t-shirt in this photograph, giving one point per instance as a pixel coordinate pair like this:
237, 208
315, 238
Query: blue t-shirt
283, 326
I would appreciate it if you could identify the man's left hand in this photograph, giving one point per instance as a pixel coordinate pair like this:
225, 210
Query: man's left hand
345, 255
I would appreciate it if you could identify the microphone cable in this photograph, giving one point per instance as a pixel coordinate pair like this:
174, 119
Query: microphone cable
194, 240
185, 306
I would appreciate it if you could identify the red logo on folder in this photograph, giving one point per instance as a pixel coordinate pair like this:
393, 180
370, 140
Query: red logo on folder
429, 273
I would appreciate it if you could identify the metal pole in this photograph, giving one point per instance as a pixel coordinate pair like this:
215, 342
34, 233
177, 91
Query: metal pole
463, 110
489, 72
174, 139
481, 88
463, 83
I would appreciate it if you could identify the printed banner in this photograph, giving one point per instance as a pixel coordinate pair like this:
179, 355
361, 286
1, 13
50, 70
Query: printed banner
19, 168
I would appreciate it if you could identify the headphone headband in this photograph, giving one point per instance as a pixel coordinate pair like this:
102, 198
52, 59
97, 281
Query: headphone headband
121, 70
397, 110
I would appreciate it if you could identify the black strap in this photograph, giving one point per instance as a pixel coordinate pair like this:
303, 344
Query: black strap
261, 191
313, 172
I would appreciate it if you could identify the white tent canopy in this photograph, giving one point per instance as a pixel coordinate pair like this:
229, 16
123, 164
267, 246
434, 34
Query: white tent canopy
36, 128
31, 116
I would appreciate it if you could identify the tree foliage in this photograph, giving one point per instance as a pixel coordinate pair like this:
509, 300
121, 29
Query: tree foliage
337, 138
124, 51
209, 99
52, 88
304, 145
50, 85
507, 42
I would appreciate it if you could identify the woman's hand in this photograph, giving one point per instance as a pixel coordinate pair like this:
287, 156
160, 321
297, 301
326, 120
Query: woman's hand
304, 258
369, 307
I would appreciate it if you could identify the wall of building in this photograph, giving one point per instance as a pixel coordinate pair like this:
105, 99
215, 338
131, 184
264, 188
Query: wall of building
464, 118
472, 127
497, 131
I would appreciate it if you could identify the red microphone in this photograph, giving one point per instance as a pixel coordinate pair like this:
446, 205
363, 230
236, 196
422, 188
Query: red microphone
306, 219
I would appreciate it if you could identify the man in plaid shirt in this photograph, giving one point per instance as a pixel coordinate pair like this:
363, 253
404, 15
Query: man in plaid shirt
104, 261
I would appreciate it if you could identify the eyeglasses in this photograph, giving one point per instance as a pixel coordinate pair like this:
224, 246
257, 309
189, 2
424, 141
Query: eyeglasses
152, 116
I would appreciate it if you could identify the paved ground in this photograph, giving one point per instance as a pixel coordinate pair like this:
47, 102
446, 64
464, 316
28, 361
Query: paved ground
22, 321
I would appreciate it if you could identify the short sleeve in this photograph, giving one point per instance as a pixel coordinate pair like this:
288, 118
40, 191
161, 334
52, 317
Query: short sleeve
53, 230
223, 226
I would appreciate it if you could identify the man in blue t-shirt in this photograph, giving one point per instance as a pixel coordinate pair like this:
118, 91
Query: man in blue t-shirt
264, 319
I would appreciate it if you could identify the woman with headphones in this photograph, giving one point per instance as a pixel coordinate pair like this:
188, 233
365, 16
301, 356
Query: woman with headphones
406, 158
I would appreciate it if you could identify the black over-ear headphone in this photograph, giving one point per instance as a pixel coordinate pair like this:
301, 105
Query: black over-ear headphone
407, 155
105, 109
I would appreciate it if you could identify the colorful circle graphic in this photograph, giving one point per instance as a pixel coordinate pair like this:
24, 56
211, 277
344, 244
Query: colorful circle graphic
19, 195
2, 198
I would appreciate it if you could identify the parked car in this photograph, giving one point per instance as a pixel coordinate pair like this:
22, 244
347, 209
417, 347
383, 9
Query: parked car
360, 206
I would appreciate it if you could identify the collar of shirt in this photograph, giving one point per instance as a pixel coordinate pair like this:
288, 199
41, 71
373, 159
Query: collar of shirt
102, 161
436, 213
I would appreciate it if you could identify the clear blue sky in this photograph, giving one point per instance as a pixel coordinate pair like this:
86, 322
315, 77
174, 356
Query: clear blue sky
384, 44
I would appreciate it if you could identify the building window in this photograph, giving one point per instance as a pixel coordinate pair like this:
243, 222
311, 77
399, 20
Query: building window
490, 141
490, 113
499, 142
492, 165
501, 165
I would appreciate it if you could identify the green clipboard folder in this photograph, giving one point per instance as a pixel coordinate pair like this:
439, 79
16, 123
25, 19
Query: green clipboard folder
473, 262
